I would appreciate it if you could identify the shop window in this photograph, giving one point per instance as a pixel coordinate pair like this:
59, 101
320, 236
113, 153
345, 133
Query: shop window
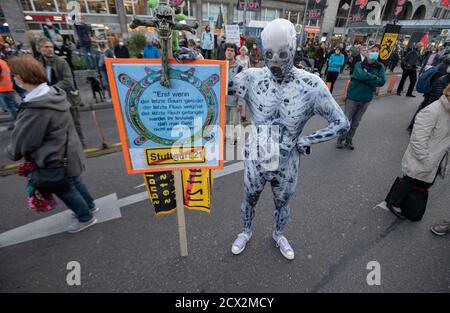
62, 5
239, 16
140, 7
26, 5
97, 6
44, 5
128, 4
112, 6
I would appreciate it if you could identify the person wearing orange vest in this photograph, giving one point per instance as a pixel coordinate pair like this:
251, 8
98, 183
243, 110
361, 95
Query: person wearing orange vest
7, 95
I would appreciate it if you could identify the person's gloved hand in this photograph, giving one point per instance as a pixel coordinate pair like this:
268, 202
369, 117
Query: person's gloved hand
303, 146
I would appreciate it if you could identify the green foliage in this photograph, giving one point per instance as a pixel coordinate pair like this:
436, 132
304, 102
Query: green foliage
136, 43
78, 63
311, 51
249, 42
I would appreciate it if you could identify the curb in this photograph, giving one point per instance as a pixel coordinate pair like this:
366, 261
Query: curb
10, 169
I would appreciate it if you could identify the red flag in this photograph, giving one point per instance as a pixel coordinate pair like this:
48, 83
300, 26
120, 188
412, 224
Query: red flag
424, 40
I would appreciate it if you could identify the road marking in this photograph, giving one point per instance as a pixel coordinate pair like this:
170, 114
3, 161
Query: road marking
109, 209
383, 206
59, 223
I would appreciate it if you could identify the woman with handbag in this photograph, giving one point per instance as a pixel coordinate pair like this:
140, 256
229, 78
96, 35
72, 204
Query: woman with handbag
45, 136
426, 157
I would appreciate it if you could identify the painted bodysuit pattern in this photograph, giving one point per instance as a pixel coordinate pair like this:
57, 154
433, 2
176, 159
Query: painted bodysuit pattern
288, 103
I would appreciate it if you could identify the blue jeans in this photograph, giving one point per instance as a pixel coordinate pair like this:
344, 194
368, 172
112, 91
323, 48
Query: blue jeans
8, 101
78, 199
105, 81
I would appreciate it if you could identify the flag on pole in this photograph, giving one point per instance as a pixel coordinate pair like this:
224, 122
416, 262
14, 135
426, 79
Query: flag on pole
219, 23
424, 40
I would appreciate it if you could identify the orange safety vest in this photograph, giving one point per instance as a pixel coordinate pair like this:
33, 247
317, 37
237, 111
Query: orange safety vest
6, 84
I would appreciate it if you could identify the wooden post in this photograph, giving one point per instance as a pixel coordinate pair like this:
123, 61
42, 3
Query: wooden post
180, 213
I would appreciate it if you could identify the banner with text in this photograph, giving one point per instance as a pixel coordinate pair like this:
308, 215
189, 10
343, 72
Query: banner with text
315, 9
167, 129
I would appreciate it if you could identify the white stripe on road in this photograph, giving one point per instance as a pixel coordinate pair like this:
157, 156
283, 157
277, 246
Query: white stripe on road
59, 223
109, 209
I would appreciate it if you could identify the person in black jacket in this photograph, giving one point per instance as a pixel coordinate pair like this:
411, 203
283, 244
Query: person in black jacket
437, 90
319, 57
359, 58
409, 65
121, 51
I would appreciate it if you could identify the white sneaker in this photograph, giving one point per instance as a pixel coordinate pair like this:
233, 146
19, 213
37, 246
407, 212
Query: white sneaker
285, 248
78, 226
240, 242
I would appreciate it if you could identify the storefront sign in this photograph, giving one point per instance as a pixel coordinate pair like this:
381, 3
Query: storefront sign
315, 9
252, 5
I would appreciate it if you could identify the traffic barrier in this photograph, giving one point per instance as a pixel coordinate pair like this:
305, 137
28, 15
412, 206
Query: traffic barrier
392, 83
344, 95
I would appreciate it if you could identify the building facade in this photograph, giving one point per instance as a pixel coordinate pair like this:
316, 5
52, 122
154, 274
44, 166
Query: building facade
114, 16
417, 15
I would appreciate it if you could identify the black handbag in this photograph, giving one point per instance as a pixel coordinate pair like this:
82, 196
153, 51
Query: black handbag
415, 203
52, 179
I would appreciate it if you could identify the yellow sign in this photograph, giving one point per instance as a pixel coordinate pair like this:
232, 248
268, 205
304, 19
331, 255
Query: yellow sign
175, 155
197, 189
388, 45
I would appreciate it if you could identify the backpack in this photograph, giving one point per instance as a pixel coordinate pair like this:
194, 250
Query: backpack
425, 79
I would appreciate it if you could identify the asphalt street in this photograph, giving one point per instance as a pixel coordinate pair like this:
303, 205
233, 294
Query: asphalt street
335, 228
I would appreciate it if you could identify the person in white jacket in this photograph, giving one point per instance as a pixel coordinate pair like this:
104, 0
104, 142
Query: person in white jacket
427, 155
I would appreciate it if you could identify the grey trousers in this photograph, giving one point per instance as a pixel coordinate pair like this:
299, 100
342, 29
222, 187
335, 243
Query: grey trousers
354, 111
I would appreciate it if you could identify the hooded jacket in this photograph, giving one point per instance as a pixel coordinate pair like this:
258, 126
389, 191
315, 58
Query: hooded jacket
428, 149
41, 129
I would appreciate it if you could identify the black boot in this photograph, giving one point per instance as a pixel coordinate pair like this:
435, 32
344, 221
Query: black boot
349, 144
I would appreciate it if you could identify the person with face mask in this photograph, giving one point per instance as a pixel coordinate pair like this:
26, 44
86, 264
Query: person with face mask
121, 51
280, 97
432, 59
367, 76
50, 31
335, 63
